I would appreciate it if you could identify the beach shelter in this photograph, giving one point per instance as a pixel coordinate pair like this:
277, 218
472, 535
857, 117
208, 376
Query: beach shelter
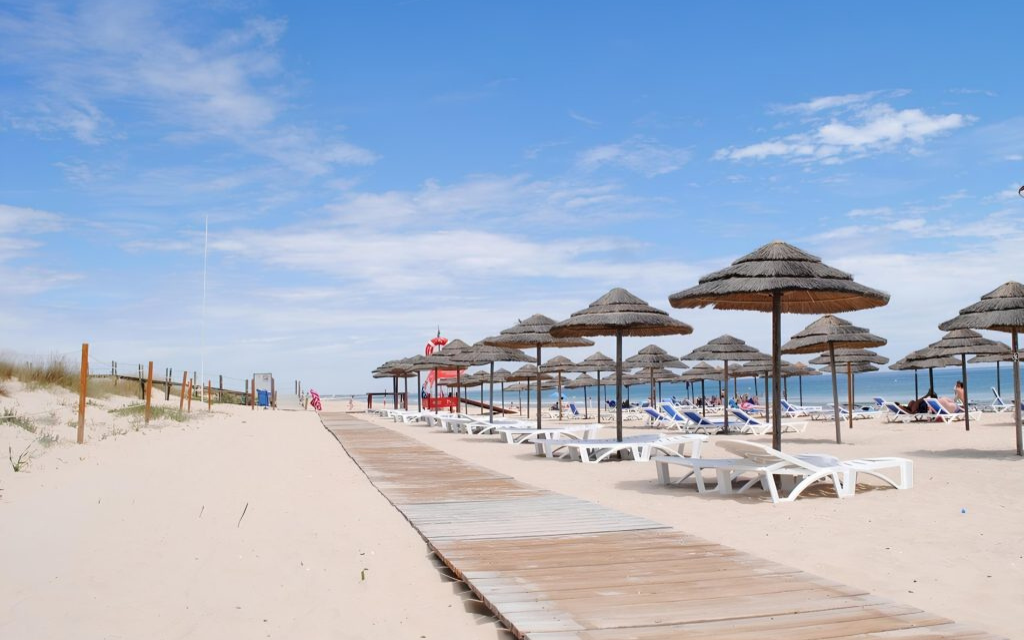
754, 369
484, 354
535, 332
829, 333
726, 349
1001, 309
418, 364
961, 342
582, 381
440, 361
780, 278
395, 369
998, 359
559, 365
620, 313
799, 370
501, 376
699, 373
596, 363
651, 358
656, 376
920, 359
851, 359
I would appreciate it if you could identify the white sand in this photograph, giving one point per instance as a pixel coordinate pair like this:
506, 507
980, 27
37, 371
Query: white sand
137, 535
952, 545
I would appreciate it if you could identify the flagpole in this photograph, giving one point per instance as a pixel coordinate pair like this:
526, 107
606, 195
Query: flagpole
202, 327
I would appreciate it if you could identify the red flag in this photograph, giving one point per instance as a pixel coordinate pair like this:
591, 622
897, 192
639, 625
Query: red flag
314, 399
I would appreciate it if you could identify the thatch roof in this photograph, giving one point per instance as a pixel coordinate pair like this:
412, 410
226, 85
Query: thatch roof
702, 371
559, 364
501, 375
619, 311
920, 359
798, 369
726, 348
855, 356
597, 361
479, 353
834, 330
653, 356
582, 380
526, 372
754, 369
855, 367
1001, 309
533, 332
659, 374
807, 285
1006, 356
964, 341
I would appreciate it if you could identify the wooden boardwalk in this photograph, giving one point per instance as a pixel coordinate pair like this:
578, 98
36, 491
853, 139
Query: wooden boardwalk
552, 567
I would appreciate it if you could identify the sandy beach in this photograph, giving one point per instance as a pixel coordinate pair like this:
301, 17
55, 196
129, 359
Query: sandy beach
238, 523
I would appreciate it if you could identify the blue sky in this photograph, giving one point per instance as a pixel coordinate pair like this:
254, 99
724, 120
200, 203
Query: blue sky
372, 171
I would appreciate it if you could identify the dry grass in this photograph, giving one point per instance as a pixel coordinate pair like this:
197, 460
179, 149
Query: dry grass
156, 413
55, 371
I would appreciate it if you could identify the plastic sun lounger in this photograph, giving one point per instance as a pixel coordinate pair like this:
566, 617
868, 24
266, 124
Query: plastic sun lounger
681, 419
536, 437
701, 423
753, 426
941, 413
802, 470
998, 404
799, 411
639, 448
657, 419
896, 413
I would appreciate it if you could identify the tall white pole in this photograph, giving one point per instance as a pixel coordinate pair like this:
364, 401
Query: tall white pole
202, 327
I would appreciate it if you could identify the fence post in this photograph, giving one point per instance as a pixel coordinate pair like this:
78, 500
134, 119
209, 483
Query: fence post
181, 400
116, 376
167, 384
83, 384
190, 396
245, 398
220, 388
142, 384
209, 398
149, 390
273, 393
252, 398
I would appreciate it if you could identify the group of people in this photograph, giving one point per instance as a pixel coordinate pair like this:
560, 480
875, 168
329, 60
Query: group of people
952, 405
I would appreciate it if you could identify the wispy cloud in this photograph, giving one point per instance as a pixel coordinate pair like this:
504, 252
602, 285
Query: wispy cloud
581, 118
857, 128
640, 154
94, 67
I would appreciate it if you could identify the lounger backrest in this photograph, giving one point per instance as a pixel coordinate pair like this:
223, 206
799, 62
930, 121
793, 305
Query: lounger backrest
766, 456
786, 406
935, 407
744, 416
696, 418
895, 409
670, 409
654, 414
573, 409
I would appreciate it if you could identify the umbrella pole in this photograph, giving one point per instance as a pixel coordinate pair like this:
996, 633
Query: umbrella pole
503, 397
618, 385
999, 385
406, 403
419, 393
849, 393
931, 379
703, 401
1016, 394
776, 370
435, 390
767, 401
916, 394
967, 406
482, 402
491, 400
528, 400
599, 396
559, 395
586, 405
835, 390
460, 390
539, 385
725, 401
800, 379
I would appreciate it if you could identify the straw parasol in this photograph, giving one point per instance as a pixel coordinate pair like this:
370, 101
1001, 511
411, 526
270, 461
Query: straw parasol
961, 342
396, 369
535, 332
620, 313
597, 362
998, 359
855, 361
480, 354
441, 360
418, 364
700, 372
1001, 309
583, 381
920, 359
501, 376
726, 349
527, 373
799, 369
831, 333
653, 357
781, 279
559, 365
756, 368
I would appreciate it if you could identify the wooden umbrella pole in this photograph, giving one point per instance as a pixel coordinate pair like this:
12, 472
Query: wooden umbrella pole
725, 401
419, 393
849, 393
559, 395
703, 400
776, 369
491, 395
800, 379
835, 391
1016, 394
967, 406
618, 385
539, 385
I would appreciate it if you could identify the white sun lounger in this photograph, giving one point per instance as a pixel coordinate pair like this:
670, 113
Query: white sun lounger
638, 448
531, 434
799, 471
896, 413
751, 425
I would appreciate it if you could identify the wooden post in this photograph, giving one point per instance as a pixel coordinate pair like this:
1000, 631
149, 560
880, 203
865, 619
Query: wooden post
220, 388
149, 391
190, 396
209, 398
142, 384
273, 393
252, 398
167, 384
245, 398
181, 400
83, 384
114, 364
849, 392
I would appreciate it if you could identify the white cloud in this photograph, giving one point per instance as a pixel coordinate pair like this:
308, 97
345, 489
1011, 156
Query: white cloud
583, 119
828, 103
27, 220
876, 212
858, 131
639, 154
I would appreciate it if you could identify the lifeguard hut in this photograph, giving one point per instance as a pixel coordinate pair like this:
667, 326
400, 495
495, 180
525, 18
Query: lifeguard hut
430, 393
264, 391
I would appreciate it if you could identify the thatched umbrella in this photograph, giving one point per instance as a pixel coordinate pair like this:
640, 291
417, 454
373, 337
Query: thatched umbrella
559, 365
800, 369
920, 359
480, 354
418, 364
440, 360
829, 333
656, 376
528, 373
596, 363
1001, 309
653, 357
620, 313
501, 376
396, 369
853, 360
782, 279
726, 349
700, 372
756, 368
961, 342
535, 332
998, 359
582, 381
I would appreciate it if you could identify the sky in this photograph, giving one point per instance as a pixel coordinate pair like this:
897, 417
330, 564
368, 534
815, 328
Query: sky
372, 172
